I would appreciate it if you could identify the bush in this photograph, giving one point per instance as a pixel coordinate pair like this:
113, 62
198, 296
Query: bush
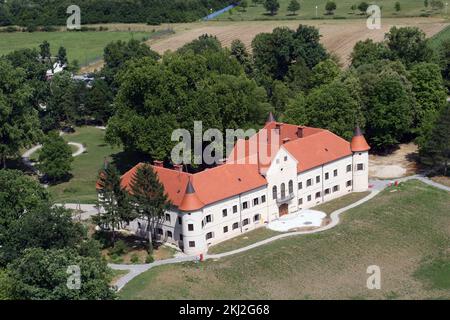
149, 259
134, 258
119, 248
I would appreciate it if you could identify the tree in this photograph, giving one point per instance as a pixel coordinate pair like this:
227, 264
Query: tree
113, 200
443, 58
99, 100
272, 6
431, 96
436, 150
330, 7
55, 157
425, 3
243, 4
296, 111
19, 123
324, 72
294, 6
45, 53
239, 51
204, 43
409, 45
149, 197
61, 58
362, 7
437, 4
46, 275
368, 51
397, 6
388, 102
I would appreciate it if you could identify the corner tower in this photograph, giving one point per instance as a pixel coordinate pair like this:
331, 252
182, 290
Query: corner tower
360, 150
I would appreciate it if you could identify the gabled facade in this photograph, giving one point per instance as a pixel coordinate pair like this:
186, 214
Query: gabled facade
306, 167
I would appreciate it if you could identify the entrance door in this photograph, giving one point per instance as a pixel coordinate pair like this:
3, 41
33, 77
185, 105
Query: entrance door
283, 210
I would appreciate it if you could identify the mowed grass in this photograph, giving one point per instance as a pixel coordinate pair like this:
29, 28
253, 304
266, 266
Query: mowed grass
81, 187
333, 205
84, 47
440, 37
308, 10
401, 231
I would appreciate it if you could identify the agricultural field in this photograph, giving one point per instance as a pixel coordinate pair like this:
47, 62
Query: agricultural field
85, 47
408, 8
338, 36
404, 230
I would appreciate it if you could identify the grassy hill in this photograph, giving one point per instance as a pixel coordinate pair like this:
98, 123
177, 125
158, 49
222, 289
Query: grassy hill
308, 10
405, 231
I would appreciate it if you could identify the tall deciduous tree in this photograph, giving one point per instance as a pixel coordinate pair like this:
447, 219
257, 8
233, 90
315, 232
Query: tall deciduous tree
272, 6
55, 157
330, 7
19, 123
114, 202
149, 197
293, 6
368, 51
435, 152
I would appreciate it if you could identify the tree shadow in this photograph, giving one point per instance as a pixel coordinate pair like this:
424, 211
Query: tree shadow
126, 160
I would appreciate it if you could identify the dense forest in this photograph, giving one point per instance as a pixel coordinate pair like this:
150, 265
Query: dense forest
52, 12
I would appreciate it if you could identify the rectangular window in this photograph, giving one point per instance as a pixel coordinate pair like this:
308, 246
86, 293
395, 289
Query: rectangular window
300, 201
169, 234
285, 158
360, 166
317, 194
234, 209
257, 217
309, 198
190, 227
327, 175
224, 213
179, 220
209, 235
349, 167
349, 183
181, 237
300, 186
263, 199
225, 229
245, 205
335, 172
317, 179
160, 231
327, 191
309, 182
191, 244
235, 225
167, 217
245, 222
255, 201
208, 218
335, 188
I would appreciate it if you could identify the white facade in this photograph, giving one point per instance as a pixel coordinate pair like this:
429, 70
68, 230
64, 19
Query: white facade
287, 191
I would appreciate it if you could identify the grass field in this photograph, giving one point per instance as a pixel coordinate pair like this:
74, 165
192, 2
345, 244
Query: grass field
82, 46
405, 232
81, 187
438, 38
408, 8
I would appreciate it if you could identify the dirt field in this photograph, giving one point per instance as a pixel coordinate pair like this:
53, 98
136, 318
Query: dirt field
338, 36
398, 164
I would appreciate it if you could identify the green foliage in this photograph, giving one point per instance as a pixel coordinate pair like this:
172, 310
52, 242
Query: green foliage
119, 248
239, 51
324, 72
204, 43
330, 7
149, 259
409, 45
99, 100
435, 151
42, 275
272, 6
294, 6
397, 6
19, 122
55, 157
363, 6
134, 258
368, 51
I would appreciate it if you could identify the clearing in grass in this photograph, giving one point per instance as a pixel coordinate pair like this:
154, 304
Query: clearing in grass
404, 230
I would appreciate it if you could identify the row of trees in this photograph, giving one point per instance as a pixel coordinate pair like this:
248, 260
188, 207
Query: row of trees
47, 13
41, 247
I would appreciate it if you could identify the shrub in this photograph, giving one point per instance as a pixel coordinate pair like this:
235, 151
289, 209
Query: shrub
149, 259
119, 248
134, 258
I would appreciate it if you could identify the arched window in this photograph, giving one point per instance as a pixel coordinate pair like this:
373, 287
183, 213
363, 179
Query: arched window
283, 190
291, 187
274, 192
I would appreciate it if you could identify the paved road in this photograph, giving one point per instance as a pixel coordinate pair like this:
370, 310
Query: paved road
376, 186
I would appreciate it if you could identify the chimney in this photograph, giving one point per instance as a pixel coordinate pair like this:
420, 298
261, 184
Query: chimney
178, 167
285, 140
158, 163
300, 132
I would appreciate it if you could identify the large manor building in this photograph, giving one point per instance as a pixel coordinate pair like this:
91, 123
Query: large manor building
307, 166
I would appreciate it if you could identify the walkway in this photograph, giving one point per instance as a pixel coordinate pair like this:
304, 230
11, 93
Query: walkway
376, 185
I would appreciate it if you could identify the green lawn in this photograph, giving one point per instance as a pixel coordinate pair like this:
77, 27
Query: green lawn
440, 37
308, 10
81, 187
405, 231
82, 46
333, 205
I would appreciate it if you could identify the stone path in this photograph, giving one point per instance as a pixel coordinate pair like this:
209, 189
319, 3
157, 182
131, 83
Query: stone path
376, 185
